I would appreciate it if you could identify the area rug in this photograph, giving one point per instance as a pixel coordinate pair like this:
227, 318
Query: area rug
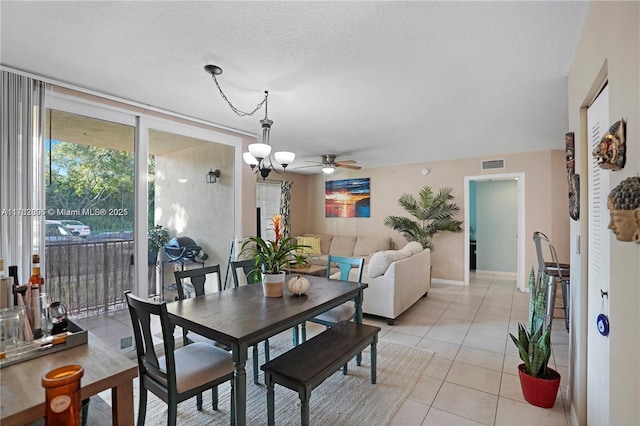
339, 400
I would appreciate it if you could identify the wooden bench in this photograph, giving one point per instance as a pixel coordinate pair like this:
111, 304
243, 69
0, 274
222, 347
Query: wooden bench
306, 366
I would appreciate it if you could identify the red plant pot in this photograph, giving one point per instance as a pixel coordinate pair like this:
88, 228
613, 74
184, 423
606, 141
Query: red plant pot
537, 391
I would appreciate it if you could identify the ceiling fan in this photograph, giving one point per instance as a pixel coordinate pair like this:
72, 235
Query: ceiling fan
329, 164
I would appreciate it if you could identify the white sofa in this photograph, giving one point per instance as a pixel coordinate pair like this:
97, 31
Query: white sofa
397, 279
342, 245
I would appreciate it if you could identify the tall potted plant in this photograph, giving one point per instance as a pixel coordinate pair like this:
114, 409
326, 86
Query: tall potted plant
433, 213
539, 383
157, 237
271, 257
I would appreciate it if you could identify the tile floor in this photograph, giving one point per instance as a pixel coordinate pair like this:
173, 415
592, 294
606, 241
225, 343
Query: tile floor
472, 379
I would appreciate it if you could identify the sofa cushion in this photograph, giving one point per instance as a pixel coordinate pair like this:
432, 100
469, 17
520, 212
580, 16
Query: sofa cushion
312, 242
325, 241
381, 260
342, 245
413, 247
365, 246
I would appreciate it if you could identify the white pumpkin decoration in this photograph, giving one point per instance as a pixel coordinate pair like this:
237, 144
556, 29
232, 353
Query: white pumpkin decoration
298, 285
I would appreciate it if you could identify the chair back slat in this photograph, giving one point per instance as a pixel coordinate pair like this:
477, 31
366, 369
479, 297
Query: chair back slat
248, 268
345, 264
198, 279
142, 313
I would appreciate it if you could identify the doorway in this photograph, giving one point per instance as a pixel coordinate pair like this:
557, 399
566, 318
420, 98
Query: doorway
513, 184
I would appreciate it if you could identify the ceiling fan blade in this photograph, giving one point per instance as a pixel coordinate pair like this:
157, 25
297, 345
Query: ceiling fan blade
346, 166
346, 162
305, 167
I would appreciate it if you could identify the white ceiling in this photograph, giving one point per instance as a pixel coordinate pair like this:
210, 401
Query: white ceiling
384, 83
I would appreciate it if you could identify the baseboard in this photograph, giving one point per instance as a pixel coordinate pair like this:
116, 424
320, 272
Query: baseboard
449, 282
500, 273
573, 416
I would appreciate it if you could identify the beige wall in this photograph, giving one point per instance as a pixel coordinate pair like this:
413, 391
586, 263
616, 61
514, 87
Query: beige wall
195, 208
609, 49
546, 203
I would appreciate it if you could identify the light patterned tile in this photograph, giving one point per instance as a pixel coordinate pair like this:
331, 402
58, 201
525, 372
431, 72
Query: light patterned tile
511, 364
446, 335
471, 376
437, 417
438, 368
517, 413
440, 349
403, 339
480, 358
488, 330
510, 387
410, 413
426, 390
487, 343
463, 313
468, 403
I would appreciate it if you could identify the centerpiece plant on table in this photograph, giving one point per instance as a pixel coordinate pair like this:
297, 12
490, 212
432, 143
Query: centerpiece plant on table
272, 256
539, 383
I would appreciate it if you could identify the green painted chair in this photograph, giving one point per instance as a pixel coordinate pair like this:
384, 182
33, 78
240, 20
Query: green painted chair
346, 311
247, 267
177, 374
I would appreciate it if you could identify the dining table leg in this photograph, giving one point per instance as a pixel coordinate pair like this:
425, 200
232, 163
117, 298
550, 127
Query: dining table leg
239, 352
358, 318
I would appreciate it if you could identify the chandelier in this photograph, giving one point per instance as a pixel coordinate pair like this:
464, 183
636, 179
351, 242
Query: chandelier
259, 155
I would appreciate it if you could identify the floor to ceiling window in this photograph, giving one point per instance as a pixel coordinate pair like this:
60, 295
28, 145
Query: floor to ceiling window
113, 173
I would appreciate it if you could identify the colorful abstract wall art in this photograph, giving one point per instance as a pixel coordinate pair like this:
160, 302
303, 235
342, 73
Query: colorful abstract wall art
347, 198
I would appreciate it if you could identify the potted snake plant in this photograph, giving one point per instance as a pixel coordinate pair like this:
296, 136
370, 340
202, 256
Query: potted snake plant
539, 383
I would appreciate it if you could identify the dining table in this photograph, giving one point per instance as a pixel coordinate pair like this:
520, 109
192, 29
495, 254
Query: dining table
241, 317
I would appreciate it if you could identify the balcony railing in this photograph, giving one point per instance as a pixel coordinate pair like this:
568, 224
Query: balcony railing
89, 276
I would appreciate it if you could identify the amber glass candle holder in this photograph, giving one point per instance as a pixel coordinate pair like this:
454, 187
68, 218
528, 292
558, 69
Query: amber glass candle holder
62, 389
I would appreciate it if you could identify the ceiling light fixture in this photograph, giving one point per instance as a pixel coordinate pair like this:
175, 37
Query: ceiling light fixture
328, 169
259, 155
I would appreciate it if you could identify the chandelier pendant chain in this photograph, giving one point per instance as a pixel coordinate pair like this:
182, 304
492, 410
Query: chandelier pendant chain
259, 155
240, 113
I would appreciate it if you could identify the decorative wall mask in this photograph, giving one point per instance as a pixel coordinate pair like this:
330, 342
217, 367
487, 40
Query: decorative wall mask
612, 149
624, 207
573, 179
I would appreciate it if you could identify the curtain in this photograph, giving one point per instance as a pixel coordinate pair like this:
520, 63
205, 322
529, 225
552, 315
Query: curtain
22, 196
285, 207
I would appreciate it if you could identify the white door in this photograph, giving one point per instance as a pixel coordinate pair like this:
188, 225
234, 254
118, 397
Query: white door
598, 260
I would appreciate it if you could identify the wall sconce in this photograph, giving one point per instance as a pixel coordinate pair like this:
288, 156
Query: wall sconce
212, 176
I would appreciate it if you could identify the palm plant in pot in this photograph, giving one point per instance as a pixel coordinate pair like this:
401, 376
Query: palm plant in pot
271, 257
539, 383
433, 213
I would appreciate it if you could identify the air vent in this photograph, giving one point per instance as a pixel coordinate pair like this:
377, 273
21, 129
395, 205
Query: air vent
493, 164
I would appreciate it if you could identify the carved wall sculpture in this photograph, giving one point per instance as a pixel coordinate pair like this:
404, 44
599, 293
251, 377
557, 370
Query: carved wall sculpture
611, 152
624, 207
573, 179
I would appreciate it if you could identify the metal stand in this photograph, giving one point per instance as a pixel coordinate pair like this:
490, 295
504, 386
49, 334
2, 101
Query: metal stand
231, 255
162, 263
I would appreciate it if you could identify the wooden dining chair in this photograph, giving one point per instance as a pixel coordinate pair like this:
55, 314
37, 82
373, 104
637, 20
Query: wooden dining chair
174, 375
247, 268
346, 311
198, 278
